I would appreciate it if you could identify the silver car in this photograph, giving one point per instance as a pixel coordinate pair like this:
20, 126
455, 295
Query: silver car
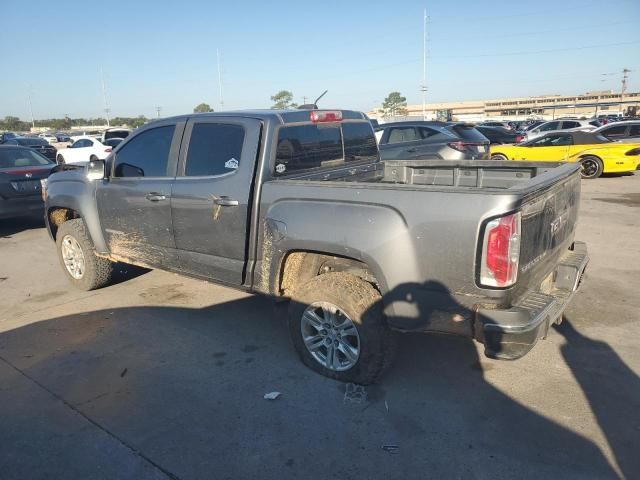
422, 140
562, 124
626, 132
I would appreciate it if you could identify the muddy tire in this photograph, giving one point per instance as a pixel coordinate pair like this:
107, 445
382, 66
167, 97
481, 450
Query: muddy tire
338, 328
499, 156
78, 258
591, 167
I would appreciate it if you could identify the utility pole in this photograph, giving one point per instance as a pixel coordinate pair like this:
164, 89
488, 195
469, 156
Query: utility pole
219, 78
33, 122
104, 97
625, 76
423, 88
158, 110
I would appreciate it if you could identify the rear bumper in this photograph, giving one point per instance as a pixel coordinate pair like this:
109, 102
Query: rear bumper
511, 333
21, 207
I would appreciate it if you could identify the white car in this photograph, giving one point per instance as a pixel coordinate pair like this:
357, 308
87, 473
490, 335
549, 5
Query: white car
48, 137
83, 149
565, 124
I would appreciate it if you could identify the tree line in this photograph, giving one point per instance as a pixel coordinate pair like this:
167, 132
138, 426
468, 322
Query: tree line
394, 105
15, 124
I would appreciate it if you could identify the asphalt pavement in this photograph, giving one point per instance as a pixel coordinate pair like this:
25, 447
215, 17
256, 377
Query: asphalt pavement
162, 376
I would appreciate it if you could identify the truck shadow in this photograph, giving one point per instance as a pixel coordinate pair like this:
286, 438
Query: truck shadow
613, 391
184, 387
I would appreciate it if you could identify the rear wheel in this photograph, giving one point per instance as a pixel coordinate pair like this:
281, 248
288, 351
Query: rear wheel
498, 156
78, 257
591, 167
339, 330
60, 159
93, 158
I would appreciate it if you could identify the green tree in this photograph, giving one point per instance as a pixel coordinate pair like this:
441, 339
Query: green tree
283, 100
394, 105
13, 123
203, 108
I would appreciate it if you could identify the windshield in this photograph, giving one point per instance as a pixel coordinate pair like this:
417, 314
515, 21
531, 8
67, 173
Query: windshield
21, 157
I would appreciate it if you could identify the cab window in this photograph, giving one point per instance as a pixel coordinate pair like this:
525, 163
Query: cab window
214, 149
146, 155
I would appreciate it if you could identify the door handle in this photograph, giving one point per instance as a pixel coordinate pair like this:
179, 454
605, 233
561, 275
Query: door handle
226, 202
155, 196
411, 150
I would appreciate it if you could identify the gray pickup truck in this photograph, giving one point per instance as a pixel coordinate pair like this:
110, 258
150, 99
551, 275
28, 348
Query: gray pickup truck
297, 204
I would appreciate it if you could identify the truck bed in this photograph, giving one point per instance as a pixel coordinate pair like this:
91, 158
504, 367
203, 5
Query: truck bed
420, 221
468, 174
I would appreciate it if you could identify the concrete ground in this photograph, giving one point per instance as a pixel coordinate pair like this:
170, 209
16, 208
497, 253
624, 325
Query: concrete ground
162, 376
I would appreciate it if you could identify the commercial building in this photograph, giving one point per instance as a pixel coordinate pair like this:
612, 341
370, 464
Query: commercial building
546, 107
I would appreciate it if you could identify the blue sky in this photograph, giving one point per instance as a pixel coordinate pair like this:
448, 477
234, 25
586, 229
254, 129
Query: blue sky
156, 55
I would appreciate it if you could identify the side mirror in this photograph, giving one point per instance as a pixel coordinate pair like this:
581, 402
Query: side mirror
96, 170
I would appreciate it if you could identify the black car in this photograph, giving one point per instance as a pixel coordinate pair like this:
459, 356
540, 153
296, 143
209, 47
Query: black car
21, 170
38, 144
499, 135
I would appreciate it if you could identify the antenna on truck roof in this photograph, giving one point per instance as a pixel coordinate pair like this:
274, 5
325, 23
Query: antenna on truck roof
314, 105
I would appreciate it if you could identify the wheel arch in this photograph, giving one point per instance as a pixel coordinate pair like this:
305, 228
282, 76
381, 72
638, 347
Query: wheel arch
67, 200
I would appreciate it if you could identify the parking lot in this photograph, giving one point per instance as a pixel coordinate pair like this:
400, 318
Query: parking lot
161, 376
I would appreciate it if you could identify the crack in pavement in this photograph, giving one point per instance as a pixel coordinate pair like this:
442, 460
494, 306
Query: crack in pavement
132, 449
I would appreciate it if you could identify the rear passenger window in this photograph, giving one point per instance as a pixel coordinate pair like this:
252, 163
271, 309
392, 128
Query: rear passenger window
566, 125
214, 149
634, 131
402, 134
146, 155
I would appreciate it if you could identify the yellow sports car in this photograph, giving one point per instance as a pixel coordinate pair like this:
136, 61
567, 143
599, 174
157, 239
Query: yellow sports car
596, 153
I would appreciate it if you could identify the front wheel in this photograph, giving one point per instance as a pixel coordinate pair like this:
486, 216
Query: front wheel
60, 159
498, 156
338, 328
78, 257
591, 167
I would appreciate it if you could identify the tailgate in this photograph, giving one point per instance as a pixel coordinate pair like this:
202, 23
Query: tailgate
548, 226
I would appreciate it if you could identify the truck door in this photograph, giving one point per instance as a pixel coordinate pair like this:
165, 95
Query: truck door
211, 197
134, 203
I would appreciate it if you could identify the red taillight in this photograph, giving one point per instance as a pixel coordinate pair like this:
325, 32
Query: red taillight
519, 138
108, 149
463, 146
501, 252
460, 146
323, 116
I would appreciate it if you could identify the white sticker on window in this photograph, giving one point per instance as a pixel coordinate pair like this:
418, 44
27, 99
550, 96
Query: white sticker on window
281, 167
231, 163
